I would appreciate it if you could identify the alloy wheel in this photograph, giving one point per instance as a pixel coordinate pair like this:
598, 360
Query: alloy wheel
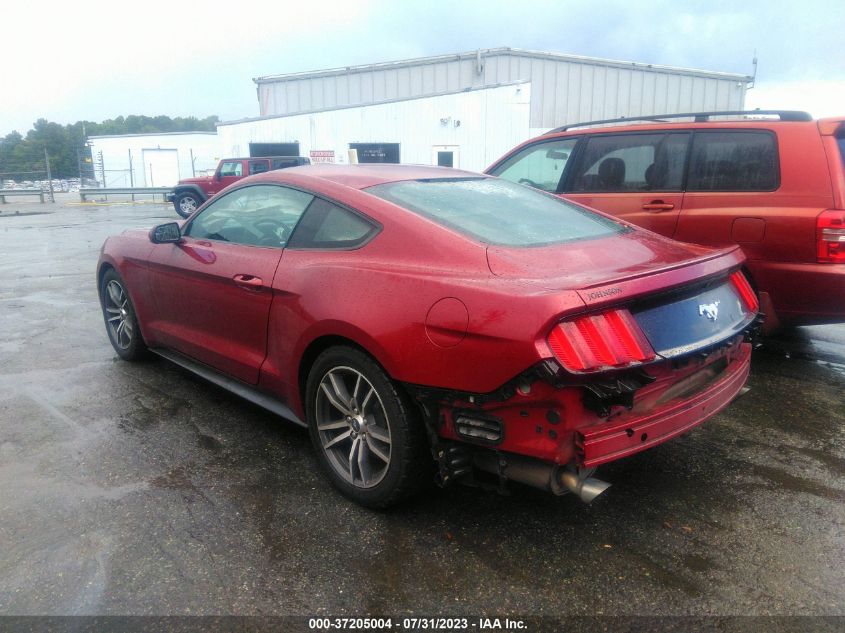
353, 427
118, 317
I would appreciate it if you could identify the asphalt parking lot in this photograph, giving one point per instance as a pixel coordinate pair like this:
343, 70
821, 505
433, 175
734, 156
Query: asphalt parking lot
140, 489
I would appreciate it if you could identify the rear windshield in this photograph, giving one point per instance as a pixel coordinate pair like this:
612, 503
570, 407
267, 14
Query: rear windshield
497, 211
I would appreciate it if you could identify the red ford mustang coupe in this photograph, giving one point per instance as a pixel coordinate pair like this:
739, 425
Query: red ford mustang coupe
408, 313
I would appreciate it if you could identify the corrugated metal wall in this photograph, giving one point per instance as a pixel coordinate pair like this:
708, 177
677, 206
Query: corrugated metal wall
564, 90
480, 125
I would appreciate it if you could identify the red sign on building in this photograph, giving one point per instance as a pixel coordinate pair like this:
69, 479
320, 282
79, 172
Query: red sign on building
321, 156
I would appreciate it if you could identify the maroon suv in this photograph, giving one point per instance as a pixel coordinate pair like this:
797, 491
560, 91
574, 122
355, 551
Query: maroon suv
190, 193
771, 181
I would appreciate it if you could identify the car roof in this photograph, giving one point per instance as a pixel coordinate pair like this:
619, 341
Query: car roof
361, 176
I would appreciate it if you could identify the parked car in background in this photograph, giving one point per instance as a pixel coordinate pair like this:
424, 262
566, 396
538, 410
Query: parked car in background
424, 312
190, 193
771, 182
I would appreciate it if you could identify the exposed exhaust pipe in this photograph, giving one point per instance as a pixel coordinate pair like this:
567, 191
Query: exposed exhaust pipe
587, 488
532, 472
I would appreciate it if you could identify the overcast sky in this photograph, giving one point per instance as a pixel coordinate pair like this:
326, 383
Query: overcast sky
100, 59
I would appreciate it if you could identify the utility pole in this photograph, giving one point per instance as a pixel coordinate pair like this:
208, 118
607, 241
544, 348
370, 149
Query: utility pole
49, 176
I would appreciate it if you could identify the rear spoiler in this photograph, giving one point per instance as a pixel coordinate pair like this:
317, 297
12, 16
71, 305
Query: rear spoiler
721, 262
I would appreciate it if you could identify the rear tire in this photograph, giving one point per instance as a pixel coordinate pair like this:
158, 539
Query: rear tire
186, 203
367, 434
120, 318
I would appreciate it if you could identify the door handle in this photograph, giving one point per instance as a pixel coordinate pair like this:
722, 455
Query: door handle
249, 282
657, 206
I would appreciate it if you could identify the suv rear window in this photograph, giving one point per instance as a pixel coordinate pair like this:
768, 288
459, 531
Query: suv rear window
733, 161
497, 211
840, 140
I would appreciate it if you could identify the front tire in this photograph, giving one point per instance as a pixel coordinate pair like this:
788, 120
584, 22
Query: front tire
186, 203
120, 318
367, 434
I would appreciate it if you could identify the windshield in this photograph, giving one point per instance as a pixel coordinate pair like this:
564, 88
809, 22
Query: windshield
497, 211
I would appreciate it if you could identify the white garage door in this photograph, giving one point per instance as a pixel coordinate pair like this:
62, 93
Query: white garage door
161, 167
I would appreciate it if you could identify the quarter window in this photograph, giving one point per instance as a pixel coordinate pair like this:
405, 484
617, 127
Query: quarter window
327, 225
632, 162
540, 166
260, 215
733, 161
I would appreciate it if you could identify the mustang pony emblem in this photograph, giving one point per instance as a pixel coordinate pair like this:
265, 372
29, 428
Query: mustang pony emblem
709, 310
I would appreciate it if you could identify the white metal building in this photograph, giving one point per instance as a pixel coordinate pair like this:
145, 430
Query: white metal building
467, 129
152, 160
462, 110
564, 88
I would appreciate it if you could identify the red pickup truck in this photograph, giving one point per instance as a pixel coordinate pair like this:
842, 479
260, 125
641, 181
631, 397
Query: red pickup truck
190, 193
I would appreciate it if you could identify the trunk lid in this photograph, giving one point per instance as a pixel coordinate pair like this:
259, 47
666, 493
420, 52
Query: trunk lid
611, 268
679, 294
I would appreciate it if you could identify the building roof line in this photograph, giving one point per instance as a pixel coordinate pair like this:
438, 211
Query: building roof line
515, 52
505, 84
151, 134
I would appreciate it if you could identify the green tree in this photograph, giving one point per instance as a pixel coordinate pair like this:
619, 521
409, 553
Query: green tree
65, 143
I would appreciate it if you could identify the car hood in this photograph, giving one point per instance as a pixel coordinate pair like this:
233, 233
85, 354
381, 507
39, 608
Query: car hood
612, 268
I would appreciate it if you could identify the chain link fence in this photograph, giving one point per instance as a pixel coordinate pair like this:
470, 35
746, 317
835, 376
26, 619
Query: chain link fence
33, 179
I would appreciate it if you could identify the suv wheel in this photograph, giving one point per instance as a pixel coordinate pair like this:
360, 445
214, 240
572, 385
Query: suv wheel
368, 436
186, 203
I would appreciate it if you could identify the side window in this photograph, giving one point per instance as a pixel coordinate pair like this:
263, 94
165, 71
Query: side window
540, 166
282, 163
326, 225
733, 161
632, 162
260, 215
258, 167
232, 168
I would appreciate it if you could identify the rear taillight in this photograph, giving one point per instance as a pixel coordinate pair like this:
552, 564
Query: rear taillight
606, 340
830, 237
746, 292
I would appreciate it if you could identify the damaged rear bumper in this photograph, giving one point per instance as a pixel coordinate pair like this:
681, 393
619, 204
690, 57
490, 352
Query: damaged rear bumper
632, 432
543, 419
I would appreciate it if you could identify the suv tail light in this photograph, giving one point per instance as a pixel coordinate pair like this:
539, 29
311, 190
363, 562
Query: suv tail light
606, 340
746, 292
830, 237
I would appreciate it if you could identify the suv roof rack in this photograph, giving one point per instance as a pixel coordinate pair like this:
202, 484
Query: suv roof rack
700, 117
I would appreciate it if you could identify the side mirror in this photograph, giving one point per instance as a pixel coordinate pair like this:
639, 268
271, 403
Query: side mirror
166, 234
218, 176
